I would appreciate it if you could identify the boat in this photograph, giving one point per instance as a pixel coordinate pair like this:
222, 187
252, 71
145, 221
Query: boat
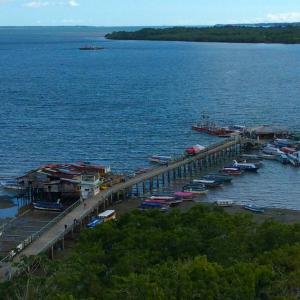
160, 159
153, 205
293, 159
245, 166
254, 208
231, 171
91, 48
173, 202
162, 197
268, 156
45, 205
208, 183
101, 218
271, 150
206, 126
283, 143
11, 184
283, 158
288, 150
194, 149
184, 195
222, 178
195, 189
224, 203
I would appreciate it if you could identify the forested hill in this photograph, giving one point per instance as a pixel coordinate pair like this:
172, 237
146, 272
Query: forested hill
227, 34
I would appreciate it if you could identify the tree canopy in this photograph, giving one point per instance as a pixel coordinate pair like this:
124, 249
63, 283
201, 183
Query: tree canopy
203, 253
229, 34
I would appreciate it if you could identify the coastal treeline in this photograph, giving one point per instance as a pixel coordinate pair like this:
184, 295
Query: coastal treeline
203, 253
230, 34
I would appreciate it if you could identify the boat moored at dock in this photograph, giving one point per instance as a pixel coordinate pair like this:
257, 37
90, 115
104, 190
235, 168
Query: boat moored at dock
245, 166
160, 159
208, 183
231, 171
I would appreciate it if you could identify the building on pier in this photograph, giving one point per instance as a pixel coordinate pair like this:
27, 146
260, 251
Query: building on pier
64, 181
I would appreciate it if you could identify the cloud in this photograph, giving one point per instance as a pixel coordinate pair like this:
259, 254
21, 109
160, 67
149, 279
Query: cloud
284, 17
42, 4
73, 3
37, 4
5, 1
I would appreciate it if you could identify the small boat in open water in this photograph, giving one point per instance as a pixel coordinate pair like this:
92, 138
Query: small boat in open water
91, 48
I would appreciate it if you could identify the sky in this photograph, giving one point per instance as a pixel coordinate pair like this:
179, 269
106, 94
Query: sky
145, 12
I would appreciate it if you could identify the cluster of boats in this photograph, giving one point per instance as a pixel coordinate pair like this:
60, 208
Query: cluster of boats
283, 150
201, 186
211, 128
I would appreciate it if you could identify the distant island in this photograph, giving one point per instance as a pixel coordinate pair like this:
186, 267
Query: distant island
225, 34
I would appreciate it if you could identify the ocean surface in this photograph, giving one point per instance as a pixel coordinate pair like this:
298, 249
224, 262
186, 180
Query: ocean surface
138, 98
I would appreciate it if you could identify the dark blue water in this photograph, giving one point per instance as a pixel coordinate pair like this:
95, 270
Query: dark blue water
138, 98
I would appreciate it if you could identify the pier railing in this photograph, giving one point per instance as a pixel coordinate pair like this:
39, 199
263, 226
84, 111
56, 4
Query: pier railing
105, 194
37, 234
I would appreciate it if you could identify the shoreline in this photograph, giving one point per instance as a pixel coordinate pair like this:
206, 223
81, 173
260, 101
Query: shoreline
283, 215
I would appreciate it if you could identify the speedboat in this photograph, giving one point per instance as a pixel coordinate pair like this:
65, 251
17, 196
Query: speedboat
254, 208
245, 166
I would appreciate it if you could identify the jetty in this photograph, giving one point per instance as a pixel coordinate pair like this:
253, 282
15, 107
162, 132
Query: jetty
52, 236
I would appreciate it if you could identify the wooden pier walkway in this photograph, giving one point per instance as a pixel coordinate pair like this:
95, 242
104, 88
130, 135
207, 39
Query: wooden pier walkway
81, 212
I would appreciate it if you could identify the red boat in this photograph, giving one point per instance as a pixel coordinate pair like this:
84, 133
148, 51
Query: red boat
231, 171
194, 149
211, 128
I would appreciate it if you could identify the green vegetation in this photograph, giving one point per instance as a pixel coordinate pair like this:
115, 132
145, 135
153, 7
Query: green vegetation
230, 34
204, 253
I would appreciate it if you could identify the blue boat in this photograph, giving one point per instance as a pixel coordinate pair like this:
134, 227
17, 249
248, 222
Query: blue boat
45, 205
254, 208
245, 166
94, 222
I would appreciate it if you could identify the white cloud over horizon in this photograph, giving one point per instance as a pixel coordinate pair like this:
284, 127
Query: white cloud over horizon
37, 4
43, 4
284, 17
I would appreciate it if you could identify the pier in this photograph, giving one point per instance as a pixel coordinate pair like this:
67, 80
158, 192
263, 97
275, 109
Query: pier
52, 236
